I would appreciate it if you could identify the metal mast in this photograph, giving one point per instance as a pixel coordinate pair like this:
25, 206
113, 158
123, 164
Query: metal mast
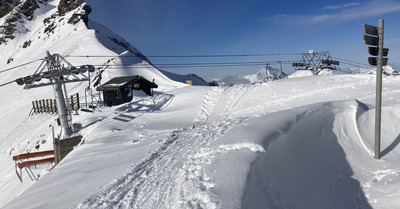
53, 63
57, 74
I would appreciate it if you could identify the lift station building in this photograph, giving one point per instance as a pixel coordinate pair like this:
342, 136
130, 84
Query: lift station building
119, 89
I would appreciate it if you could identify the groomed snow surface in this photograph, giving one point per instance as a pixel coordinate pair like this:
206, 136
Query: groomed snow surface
296, 143
305, 142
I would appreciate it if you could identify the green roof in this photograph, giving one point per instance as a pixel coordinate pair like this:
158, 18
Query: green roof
119, 82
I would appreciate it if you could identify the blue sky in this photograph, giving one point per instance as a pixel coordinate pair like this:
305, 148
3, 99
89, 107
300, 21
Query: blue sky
204, 27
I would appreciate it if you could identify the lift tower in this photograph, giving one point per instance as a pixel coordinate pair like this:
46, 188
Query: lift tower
58, 71
54, 65
316, 61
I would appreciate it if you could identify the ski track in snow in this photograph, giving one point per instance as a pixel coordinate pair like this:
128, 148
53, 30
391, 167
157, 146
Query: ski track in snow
173, 176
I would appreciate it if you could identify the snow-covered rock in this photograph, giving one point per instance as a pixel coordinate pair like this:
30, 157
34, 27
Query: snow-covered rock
388, 70
263, 75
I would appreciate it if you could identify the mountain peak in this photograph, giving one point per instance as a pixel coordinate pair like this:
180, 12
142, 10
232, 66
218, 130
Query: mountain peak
63, 27
6, 6
66, 6
15, 14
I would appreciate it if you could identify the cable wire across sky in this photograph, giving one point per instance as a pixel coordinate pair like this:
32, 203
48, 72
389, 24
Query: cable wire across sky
198, 64
195, 56
222, 64
204, 64
18, 66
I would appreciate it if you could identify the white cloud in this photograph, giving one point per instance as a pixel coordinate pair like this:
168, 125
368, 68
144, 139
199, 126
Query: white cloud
350, 12
352, 4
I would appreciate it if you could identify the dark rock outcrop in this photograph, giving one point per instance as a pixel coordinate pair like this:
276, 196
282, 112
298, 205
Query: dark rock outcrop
7, 6
16, 11
68, 5
28, 8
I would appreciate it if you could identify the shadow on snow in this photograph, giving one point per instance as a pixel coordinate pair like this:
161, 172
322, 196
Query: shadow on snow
304, 166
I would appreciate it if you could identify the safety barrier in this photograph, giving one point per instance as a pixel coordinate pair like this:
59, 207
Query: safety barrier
50, 105
21, 161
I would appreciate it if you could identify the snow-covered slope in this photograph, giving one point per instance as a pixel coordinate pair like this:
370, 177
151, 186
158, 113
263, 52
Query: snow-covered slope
388, 70
265, 74
107, 52
303, 142
273, 144
23, 53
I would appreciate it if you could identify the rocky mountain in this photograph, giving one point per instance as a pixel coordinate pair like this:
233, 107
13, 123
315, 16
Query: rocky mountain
29, 28
263, 75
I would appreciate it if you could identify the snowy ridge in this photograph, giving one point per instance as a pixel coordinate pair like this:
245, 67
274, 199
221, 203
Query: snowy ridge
193, 165
265, 74
68, 40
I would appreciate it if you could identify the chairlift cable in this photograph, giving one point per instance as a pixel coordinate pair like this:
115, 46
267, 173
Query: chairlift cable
351, 62
212, 63
4, 84
223, 55
196, 65
192, 56
356, 65
18, 66
218, 63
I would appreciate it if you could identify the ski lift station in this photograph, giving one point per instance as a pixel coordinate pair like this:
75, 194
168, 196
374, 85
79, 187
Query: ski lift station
118, 90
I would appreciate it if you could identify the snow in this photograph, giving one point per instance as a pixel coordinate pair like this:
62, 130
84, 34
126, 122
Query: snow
264, 74
302, 142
